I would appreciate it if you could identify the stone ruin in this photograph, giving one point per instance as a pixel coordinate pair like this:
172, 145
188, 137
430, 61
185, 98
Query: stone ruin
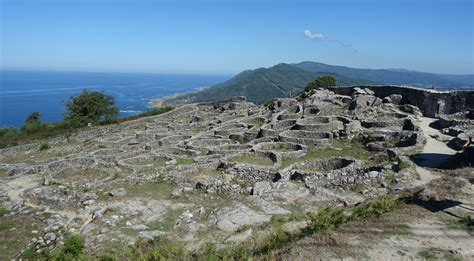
201, 172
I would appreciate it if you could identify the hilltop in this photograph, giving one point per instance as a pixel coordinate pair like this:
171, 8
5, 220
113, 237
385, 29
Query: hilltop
331, 174
287, 80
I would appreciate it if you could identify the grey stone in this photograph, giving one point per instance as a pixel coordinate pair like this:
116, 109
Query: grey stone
120, 192
396, 98
241, 237
260, 187
375, 147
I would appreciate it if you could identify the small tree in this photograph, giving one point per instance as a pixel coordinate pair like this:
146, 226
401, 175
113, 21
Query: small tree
32, 123
33, 117
90, 107
322, 81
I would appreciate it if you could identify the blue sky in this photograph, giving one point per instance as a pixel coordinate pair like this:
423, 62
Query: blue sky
230, 36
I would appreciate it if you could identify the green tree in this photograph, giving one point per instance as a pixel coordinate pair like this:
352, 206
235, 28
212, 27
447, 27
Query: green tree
322, 81
33, 117
90, 107
32, 123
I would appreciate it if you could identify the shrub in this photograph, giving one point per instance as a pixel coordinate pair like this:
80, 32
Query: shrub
32, 123
44, 146
269, 102
72, 249
375, 208
326, 219
31, 127
277, 240
8, 132
3, 212
322, 81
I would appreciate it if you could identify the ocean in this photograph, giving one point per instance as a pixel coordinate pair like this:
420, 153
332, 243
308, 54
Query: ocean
23, 92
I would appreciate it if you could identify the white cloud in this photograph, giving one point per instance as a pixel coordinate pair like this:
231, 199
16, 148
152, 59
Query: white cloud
313, 36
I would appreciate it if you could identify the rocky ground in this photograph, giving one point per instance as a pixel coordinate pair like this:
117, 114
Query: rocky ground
221, 172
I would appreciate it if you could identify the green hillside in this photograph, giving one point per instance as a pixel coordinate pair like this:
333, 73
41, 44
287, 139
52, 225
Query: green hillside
394, 76
259, 85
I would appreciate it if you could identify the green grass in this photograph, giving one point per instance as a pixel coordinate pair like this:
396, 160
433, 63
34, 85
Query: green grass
197, 128
375, 208
184, 161
5, 226
252, 159
257, 122
3, 212
3, 171
167, 220
340, 148
430, 254
327, 218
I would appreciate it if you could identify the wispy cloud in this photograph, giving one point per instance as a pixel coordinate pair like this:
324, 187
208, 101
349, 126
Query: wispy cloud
320, 37
313, 36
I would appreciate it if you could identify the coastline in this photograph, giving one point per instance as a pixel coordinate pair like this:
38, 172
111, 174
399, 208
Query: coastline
162, 101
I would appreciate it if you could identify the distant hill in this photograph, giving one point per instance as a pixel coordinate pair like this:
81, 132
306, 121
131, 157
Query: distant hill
394, 76
259, 85
286, 80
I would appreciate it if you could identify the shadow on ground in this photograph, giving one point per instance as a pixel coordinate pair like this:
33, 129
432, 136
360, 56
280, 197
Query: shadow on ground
444, 161
434, 205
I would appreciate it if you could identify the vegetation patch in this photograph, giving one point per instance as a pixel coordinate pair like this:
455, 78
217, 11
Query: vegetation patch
3, 212
464, 223
376, 208
80, 175
184, 161
340, 148
166, 221
430, 254
257, 122
252, 159
12, 241
44, 146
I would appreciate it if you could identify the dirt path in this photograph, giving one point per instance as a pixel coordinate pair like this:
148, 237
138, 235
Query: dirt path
434, 152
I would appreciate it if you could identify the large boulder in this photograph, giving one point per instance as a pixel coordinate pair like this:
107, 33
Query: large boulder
396, 98
408, 108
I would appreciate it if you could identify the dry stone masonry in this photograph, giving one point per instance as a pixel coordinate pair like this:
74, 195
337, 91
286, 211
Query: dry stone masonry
201, 172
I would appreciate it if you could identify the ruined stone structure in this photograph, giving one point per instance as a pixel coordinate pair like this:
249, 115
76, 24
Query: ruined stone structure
430, 102
215, 172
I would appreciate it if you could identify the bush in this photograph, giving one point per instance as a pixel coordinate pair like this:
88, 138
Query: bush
31, 127
32, 123
322, 81
326, 219
375, 208
90, 107
72, 249
44, 146
8, 132
269, 102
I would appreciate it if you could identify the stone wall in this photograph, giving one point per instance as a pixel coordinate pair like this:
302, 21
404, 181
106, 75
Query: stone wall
430, 102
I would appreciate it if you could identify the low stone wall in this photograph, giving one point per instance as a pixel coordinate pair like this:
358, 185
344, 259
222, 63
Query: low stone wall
430, 102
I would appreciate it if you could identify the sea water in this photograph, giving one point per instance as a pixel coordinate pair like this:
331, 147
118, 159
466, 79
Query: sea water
24, 92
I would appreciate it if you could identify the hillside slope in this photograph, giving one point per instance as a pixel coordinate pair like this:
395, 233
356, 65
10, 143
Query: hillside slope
259, 85
394, 76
